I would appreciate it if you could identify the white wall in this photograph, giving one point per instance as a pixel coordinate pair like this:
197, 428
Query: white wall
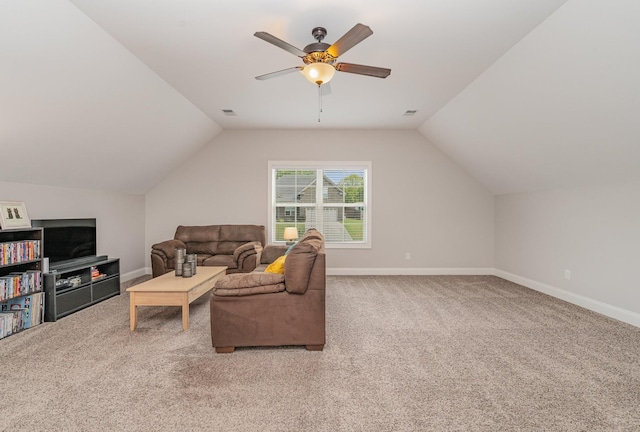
422, 202
120, 217
593, 232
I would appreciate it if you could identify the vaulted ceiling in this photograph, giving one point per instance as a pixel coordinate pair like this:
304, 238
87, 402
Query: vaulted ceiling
523, 94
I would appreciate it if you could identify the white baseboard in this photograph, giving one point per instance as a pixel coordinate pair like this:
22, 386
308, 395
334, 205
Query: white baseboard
125, 277
577, 299
408, 271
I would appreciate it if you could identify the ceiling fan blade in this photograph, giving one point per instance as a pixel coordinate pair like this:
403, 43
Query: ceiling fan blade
278, 73
363, 70
280, 43
357, 34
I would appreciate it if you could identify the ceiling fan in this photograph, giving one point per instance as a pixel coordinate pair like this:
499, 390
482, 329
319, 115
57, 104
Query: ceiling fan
320, 58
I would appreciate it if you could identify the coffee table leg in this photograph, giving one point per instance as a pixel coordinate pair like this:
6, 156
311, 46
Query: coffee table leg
133, 312
185, 312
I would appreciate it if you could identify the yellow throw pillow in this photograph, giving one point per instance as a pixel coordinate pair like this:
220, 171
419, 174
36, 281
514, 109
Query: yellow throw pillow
277, 266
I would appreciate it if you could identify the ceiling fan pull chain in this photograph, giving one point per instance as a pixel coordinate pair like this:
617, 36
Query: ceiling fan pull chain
319, 102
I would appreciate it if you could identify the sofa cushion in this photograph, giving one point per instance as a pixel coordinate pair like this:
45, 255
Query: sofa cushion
218, 239
298, 265
271, 252
242, 233
243, 284
228, 247
260, 269
277, 266
204, 248
200, 234
220, 260
202, 258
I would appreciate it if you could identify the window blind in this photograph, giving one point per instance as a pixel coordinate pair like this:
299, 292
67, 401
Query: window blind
333, 199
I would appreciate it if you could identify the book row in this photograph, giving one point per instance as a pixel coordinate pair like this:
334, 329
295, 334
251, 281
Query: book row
18, 284
21, 313
19, 251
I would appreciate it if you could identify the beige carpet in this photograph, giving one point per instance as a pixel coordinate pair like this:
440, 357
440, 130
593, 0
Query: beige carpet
407, 353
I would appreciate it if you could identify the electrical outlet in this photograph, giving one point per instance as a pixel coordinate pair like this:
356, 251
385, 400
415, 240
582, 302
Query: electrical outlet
407, 256
567, 274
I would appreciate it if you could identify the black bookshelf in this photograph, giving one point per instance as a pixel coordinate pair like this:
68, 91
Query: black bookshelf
21, 298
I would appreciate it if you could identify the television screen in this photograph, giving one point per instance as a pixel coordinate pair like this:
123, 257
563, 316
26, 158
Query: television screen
67, 239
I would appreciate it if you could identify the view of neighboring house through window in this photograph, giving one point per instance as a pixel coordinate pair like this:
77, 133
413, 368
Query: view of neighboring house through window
332, 197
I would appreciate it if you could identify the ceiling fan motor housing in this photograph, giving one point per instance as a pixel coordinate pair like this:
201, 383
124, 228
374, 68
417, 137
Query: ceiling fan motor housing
316, 52
319, 56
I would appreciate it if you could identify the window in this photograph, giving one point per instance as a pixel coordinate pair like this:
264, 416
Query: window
333, 197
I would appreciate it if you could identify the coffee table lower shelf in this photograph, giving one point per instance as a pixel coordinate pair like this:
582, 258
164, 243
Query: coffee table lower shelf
171, 290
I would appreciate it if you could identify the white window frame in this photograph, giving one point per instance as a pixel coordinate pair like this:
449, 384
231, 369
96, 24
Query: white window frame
324, 165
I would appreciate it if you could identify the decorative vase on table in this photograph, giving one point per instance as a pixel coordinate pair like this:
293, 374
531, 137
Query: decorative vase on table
180, 258
193, 260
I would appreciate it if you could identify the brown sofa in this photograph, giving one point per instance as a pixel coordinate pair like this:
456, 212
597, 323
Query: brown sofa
270, 309
238, 247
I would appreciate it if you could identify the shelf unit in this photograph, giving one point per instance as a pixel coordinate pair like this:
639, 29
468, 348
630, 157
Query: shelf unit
70, 289
21, 298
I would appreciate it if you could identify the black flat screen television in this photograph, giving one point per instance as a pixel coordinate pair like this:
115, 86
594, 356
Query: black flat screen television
67, 240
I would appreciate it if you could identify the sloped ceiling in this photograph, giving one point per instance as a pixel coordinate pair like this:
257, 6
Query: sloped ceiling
560, 109
524, 94
79, 110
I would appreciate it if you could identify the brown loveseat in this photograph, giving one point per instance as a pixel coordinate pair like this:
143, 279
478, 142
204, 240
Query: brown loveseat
238, 247
270, 309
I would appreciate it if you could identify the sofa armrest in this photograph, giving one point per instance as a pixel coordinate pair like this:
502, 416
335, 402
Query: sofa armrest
242, 254
271, 252
167, 248
162, 256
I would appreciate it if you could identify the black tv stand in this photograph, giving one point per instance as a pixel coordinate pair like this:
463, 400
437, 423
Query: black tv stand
73, 286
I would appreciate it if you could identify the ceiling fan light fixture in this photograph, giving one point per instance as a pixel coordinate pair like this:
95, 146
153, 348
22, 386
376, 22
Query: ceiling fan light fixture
318, 73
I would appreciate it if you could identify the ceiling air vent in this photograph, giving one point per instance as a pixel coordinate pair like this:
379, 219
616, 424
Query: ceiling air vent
229, 112
410, 112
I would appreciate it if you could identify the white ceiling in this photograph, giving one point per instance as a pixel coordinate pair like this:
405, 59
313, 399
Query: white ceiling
521, 101
206, 50
560, 109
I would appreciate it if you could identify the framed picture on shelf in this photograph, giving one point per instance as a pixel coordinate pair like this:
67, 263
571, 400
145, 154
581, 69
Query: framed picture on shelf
13, 215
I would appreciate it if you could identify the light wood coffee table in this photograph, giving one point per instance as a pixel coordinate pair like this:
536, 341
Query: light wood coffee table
172, 290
